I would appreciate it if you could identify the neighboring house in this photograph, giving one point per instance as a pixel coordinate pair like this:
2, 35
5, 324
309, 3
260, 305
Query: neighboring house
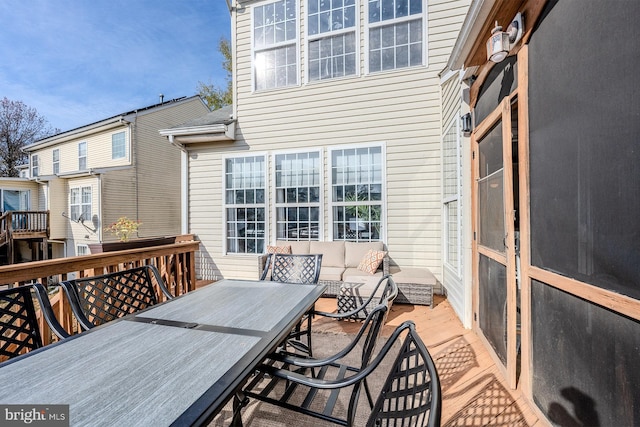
337, 132
550, 179
90, 176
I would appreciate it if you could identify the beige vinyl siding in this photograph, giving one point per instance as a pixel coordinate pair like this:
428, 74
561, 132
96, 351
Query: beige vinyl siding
22, 184
157, 174
58, 203
118, 193
399, 109
98, 153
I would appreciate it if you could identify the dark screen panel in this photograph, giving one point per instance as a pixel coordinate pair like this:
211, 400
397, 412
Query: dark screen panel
585, 143
492, 277
585, 362
500, 82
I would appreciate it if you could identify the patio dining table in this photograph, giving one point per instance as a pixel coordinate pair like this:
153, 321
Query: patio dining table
176, 363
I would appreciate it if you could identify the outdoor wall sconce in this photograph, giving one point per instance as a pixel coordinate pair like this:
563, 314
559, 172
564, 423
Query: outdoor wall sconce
465, 124
501, 42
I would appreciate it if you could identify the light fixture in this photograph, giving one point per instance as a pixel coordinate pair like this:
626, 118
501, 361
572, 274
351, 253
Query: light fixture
465, 124
501, 42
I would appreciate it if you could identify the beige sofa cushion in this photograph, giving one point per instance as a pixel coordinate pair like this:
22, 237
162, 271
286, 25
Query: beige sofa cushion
355, 251
301, 247
353, 275
332, 253
420, 276
331, 273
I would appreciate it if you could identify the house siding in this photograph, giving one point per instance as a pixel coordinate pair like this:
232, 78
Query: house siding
98, 152
157, 172
399, 109
144, 184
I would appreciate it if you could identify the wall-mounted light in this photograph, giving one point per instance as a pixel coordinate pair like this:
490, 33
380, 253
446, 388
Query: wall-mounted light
465, 124
501, 42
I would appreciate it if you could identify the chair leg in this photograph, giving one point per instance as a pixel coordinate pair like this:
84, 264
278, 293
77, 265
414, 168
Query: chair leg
239, 402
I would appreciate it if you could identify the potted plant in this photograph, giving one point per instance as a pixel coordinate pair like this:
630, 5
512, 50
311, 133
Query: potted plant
123, 228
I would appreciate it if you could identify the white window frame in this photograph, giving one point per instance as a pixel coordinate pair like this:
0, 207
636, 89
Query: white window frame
35, 167
80, 202
384, 23
447, 199
382, 234
331, 35
238, 186
256, 50
82, 156
55, 156
82, 250
118, 151
278, 203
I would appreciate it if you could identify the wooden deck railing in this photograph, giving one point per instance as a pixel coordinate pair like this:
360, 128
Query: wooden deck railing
176, 263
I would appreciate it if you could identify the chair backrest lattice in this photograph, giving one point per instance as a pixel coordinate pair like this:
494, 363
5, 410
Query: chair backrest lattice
104, 298
18, 323
411, 393
293, 268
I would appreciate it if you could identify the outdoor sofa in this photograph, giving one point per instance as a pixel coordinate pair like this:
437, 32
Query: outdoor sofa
345, 262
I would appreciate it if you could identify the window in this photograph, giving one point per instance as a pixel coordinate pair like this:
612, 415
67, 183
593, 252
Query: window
451, 180
275, 60
245, 204
56, 161
34, 166
297, 186
118, 147
82, 156
82, 250
80, 203
357, 193
331, 33
395, 34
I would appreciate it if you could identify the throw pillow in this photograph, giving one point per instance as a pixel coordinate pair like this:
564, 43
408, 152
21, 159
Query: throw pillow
279, 249
371, 261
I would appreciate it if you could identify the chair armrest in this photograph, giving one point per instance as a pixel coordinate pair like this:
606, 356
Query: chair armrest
305, 362
47, 312
344, 382
264, 261
389, 294
156, 274
74, 301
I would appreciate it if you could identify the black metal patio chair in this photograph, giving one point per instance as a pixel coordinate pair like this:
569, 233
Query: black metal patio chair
353, 307
295, 268
19, 331
410, 395
99, 299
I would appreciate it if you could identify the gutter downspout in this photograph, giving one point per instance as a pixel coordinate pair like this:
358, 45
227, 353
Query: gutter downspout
184, 185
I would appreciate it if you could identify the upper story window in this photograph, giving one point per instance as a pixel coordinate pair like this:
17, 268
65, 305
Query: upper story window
298, 201
82, 156
245, 204
275, 51
357, 193
56, 161
118, 146
396, 31
34, 166
80, 203
331, 32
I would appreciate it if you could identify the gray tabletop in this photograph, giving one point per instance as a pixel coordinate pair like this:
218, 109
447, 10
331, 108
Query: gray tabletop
175, 363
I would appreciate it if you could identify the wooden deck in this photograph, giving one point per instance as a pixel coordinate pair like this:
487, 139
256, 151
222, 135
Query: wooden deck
474, 394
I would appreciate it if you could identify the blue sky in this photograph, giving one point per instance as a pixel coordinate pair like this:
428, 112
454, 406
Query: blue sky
80, 61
